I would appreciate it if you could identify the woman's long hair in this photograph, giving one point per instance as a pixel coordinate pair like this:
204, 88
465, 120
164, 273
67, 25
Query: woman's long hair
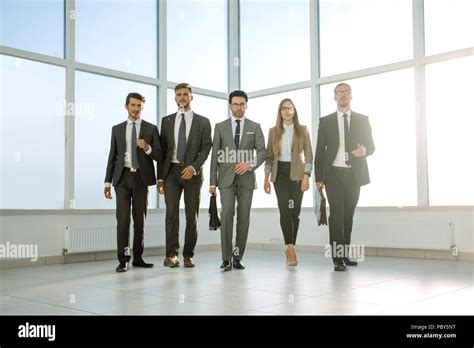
279, 130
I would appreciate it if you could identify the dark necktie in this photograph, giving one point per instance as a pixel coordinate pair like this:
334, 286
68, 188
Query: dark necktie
134, 146
346, 140
181, 149
237, 134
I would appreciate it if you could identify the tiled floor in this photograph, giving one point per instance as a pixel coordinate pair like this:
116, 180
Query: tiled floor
391, 286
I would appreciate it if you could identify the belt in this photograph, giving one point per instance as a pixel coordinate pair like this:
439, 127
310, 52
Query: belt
180, 165
344, 170
130, 170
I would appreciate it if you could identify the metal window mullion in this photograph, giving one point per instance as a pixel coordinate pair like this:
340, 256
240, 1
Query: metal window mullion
420, 103
315, 60
69, 116
162, 75
233, 45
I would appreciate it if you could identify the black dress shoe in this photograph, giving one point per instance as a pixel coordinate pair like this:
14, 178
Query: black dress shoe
339, 265
122, 267
142, 263
238, 264
226, 265
348, 262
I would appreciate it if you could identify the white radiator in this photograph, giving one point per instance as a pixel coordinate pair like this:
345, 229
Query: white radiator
90, 238
422, 235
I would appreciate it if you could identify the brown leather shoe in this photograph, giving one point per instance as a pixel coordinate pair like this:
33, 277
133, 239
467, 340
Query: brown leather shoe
171, 261
188, 262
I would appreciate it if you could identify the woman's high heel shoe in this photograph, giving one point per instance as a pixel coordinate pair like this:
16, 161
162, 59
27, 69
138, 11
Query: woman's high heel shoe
291, 256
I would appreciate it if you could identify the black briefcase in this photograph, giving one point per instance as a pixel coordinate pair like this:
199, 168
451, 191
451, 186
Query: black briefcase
320, 207
214, 222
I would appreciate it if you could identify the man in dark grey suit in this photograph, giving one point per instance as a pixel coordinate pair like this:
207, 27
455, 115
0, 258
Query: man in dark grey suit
186, 142
344, 142
135, 144
232, 170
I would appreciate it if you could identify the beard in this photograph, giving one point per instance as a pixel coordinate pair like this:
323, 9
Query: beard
185, 105
344, 103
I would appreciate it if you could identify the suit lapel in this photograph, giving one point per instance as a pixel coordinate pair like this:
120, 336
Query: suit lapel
228, 130
194, 127
171, 130
123, 133
293, 140
142, 129
244, 133
353, 129
334, 127
354, 121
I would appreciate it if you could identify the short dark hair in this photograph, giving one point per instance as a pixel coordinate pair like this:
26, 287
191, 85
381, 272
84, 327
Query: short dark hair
134, 95
238, 94
342, 84
183, 85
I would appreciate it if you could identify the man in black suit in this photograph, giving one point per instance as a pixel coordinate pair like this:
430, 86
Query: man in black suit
186, 142
135, 144
344, 142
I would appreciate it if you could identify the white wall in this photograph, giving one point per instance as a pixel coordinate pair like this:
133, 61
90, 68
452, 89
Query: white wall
47, 228
265, 223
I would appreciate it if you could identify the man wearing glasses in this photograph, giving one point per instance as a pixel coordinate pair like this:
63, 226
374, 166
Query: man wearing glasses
232, 170
344, 142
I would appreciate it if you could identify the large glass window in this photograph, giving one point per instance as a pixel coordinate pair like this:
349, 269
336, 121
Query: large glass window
362, 34
264, 111
32, 135
118, 34
388, 100
275, 46
197, 43
448, 25
33, 25
100, 104
450, 120
216, 110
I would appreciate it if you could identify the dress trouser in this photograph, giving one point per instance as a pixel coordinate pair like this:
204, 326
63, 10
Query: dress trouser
130, 191
343, 195
173, 188
229, 196
289, 197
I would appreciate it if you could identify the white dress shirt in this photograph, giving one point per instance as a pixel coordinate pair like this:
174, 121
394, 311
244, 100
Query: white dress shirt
286, 143
340, 161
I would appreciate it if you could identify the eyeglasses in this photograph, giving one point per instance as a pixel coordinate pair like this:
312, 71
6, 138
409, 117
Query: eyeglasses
346, 92
241, 106
288, 108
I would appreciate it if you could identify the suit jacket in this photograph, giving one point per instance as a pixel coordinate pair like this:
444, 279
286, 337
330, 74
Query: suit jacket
328, 144
297, 166
198, 145
224, 155
115, 163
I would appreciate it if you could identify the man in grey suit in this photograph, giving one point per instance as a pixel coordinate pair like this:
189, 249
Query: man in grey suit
344, 143
186, 142
233, 166
135, 144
